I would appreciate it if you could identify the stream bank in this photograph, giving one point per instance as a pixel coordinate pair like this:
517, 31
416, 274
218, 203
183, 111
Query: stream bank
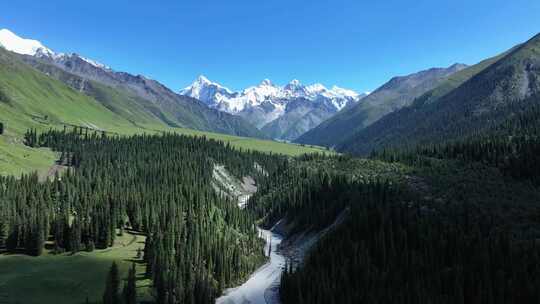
262, 287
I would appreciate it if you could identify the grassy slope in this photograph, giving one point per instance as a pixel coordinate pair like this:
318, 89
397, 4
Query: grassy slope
458, 78
394, 94
28, 96
69, 279
248, 143
397, 127
139, 99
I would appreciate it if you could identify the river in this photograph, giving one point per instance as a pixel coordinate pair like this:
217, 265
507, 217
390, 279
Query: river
263, 285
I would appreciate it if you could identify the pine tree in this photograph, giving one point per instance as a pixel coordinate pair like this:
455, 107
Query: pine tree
112, 286
3, 233
130, 288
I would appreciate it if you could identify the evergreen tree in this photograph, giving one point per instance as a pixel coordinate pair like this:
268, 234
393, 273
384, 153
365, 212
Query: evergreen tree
3, 233
112, 286
130, 288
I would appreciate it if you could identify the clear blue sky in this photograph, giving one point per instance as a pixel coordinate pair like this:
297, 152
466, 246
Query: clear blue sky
351, 43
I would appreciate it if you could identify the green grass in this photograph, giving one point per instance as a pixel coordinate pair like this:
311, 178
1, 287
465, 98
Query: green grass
247, 143
16, 158
31, 99
66, 278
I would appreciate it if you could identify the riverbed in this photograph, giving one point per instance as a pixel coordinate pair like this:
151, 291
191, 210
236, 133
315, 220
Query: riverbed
263, 285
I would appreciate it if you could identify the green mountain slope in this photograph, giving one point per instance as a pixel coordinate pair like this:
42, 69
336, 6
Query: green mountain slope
32, 99
29, 99
141, 100
393, 95
493, 91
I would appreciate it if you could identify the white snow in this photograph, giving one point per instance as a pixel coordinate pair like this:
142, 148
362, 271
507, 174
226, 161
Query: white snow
344, 92
16, 44
95, 63
263, 285
225, 100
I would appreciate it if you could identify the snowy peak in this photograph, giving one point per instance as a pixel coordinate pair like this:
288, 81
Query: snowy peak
209, 92
94, 63
63, 59
16, 44
266, 82
293, 84
202, 83
215, 95
344, 92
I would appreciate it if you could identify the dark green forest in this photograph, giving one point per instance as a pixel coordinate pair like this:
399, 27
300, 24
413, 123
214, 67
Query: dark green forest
198, 242
468, 234
394, 248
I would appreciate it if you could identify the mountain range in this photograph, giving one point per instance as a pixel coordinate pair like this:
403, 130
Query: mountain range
395, 94
429, 106
137, 98
282, 112
474, 101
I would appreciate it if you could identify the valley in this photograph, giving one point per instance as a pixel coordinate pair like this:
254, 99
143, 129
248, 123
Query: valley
263, 285
119, 188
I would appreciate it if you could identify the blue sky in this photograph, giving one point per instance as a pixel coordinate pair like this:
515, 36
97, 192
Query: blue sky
353, 44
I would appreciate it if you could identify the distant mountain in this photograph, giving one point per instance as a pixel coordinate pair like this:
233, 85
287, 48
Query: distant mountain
145, 98
477, 99
393, 95
284, 111
300, 116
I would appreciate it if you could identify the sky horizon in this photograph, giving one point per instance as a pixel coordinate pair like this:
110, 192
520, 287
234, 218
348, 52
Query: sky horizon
346, 43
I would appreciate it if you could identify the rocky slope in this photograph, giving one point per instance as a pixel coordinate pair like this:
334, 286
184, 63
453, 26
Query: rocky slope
483, 97
393, 95
284, 112
149, 97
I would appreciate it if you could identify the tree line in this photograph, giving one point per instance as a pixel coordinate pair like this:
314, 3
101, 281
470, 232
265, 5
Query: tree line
513, 147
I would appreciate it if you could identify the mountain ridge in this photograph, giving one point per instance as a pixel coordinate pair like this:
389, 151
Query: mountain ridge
152, 97
398, 92
500, 88
266, 105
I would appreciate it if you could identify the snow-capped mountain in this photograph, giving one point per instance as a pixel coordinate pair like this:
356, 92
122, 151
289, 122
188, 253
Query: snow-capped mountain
136, 96
218, 96
267, 102
285, 112
210, 93
16, 44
